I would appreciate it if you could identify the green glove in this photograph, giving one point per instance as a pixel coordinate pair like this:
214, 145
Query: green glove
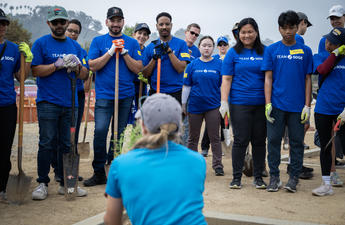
268, 110
339, 51
305, 115
342, 117
142, 78
25, 49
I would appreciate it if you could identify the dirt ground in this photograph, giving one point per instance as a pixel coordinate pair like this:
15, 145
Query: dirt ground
301, 206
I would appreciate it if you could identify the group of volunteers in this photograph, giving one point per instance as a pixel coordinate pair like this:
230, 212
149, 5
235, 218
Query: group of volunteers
262, 91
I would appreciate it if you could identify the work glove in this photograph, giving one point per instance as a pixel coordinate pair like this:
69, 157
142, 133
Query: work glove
111, 51
166, 48
157, 53
142, 78
339, 51
59, 63
342, 117
72, 63
305, 114
224, 109
25, 49
268, 110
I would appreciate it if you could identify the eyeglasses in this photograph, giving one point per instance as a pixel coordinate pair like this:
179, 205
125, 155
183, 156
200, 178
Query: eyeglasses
73, 31
60, 21
193, 33
222, 44
4, 23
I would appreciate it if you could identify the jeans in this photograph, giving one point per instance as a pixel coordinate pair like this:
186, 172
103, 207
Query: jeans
8, 118
324, 126
104, 111
249, 125
275, 133
54, 132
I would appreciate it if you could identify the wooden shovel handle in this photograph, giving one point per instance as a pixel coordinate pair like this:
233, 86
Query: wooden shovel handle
87, 105
21, 111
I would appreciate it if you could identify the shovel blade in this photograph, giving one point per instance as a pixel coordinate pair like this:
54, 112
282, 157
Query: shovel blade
84, 150
71, 172
17, 188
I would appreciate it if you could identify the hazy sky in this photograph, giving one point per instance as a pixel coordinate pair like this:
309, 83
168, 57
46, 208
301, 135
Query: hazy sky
216, 17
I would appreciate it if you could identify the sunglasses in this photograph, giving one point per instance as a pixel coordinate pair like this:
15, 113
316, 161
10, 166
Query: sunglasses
222, 44
193, 33
59, 21
4, 23
73, 31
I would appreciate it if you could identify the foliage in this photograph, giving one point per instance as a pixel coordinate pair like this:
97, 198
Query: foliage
128, 138
16, 33
129, 30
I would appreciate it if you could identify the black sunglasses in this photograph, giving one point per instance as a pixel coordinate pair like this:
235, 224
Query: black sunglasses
193, 33
73, 31
222, 44
60, 21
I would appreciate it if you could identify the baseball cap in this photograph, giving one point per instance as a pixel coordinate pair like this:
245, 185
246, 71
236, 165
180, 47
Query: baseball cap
114, 11
159, 109
336, 36
303, 16
3, 16
141, 26
57, 12
336, 10
222, 38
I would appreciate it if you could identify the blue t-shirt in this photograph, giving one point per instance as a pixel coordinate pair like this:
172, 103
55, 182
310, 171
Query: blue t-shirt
10, 64
290, 65
299, 38
171, 81
55, 88
247, 87
194, 52
160, 186
331, 96
217, 56
205, 80
80, 83
105, 77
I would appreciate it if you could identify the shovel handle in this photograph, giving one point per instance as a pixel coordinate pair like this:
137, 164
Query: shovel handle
21, 111
159, 75
116, 103
140, 89
337, 126
87, 105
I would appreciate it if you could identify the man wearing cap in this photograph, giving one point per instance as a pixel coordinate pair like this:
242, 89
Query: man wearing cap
174, 56
223, 47
102, 56
302, 26
57, 60
330, 105
9, 68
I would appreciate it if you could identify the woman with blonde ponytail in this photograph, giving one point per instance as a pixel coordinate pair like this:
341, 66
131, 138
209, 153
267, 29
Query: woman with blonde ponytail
159, 181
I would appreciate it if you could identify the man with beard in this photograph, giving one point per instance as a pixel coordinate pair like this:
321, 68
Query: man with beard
102, 61
57, 58
174, 54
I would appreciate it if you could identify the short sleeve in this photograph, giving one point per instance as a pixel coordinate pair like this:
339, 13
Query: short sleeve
85, 59
310, 61
187, 77
184, 52
94, 51
147, 56
228, 63
37, 53
112, 187
135, 52
267, 63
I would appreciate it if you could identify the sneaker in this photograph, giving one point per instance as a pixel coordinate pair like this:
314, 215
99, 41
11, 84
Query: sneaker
40, 192
219, 171
3, 196
204, 152
307, 169
335, 180
80, 178
96, 179
235, 183
306, 147
323, 190
57, 178
80, 192
339, 163
306, 175
286, 146
291, 184
274, 184
259, 183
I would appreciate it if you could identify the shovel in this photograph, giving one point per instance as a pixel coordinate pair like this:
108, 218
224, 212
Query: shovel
335, 129
18, 185
71, 159
84, 147
116, 109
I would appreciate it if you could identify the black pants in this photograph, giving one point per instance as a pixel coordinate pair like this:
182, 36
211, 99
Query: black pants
177, 95
8, 119
249, 125
324, 126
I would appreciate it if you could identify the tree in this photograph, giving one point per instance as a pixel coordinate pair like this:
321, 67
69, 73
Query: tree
129, 30
16, 33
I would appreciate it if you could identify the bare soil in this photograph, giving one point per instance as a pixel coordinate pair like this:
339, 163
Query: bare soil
301, 206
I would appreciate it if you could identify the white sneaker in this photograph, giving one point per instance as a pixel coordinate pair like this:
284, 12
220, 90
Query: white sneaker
40, 192
3, 196
80, 192
323, 190
335, 180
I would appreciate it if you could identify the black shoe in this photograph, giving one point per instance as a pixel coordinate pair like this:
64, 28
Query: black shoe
235, 183
80, 178
219, 171
204, 152
57, 178
259, 183
291, 184
306, 147
307, 169
274, 184
306, 175
96, 179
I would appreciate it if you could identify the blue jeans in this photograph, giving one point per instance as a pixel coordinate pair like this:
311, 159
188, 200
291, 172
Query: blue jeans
54, 132
275, 133
104, 111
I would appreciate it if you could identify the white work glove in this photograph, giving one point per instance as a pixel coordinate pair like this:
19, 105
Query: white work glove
111, 51
341, 117
305, 114
224, 109
268, 110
